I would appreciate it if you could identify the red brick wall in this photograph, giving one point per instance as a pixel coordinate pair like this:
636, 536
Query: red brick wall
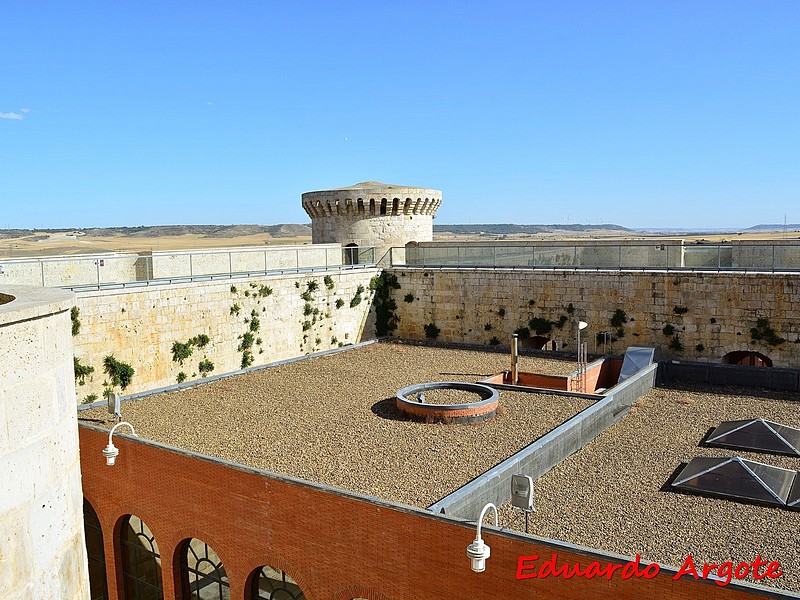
336, 546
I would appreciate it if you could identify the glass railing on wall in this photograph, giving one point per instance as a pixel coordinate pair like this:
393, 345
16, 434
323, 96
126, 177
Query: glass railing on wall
627, 256
111, 269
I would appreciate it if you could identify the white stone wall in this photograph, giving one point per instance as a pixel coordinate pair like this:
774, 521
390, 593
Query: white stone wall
42, 549
721, 308
139, 326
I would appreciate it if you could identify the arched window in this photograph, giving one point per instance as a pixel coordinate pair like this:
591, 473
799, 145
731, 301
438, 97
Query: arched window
141, 562
273, 584
743, 357
98, 588
202, 575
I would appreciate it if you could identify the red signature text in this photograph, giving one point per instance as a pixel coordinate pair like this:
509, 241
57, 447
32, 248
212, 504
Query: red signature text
528, 567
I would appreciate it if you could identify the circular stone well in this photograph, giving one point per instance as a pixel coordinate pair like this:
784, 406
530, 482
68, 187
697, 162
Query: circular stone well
467, 412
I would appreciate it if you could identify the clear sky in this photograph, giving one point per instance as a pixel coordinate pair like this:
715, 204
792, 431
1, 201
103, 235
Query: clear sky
641, 113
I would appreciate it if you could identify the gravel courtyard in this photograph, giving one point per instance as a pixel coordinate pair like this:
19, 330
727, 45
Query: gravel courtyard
609, 496
332, 419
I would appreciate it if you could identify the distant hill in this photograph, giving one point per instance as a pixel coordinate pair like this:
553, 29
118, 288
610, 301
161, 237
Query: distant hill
153, 231
778, 228
510, 228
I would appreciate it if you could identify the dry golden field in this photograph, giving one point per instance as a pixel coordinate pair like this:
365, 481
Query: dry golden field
65, 243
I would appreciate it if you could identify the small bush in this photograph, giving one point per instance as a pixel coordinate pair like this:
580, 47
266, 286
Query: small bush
334, 341
676, 344
487, 327
200, 340
432, 331
181, 351
339, 303
81, 371
619, 318
501, 312
328, 281
306, 325
308, 309
680, 310
408, 298
74, 313
254, 324
540, 326
247, 359
668, 330
247, 341
307, 296
264, 291
259, 341
355, 301
233, 289
523, 332
205, 367
121, 373
562, 320
90, 398
235, 309
494, 341
318, 341
181, 377
570, 309
312, 286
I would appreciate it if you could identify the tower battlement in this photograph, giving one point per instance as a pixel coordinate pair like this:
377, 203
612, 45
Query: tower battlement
372, 213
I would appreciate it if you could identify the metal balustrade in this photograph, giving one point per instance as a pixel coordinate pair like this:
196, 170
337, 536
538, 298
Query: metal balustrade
135, 270
656, 256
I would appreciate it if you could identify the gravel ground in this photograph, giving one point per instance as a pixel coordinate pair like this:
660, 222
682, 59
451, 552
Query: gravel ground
448, 396
609, 494
333, 420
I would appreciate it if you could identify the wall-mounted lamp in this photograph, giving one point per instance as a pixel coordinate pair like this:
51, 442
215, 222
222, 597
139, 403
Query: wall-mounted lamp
111, 451
477, 551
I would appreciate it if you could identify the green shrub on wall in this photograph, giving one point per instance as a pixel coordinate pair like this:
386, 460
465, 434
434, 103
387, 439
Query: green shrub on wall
121, 374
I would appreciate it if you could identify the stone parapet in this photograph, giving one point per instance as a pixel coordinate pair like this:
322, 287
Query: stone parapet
42, 550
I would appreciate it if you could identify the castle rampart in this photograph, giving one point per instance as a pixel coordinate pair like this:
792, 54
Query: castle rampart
690, 315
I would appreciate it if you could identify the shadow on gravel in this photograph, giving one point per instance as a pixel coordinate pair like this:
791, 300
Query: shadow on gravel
667, 487
387, 409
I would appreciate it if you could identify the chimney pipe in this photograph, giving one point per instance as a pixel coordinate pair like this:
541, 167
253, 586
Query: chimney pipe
514, 359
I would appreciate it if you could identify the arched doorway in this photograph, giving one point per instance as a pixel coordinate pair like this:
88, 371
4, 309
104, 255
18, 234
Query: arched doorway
744, 357
351, 254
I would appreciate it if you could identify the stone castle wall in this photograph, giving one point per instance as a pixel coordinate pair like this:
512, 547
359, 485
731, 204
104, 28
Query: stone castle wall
721, 308
42, 549
139, 326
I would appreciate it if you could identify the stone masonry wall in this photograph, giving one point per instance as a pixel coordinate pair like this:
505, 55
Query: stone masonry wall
42, 549
139, 326
382, 232
721, 308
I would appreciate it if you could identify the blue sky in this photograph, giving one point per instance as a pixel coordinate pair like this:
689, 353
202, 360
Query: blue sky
644, 114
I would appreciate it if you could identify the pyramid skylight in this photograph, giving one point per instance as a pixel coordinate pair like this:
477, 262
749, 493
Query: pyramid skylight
739, 479
757, 435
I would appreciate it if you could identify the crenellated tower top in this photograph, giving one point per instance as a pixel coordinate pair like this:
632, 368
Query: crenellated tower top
372, 213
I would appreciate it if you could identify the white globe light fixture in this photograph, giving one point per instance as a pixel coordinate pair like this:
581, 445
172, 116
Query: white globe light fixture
111, 451
477, 551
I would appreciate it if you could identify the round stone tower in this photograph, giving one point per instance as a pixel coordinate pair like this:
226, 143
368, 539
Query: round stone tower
372, 214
